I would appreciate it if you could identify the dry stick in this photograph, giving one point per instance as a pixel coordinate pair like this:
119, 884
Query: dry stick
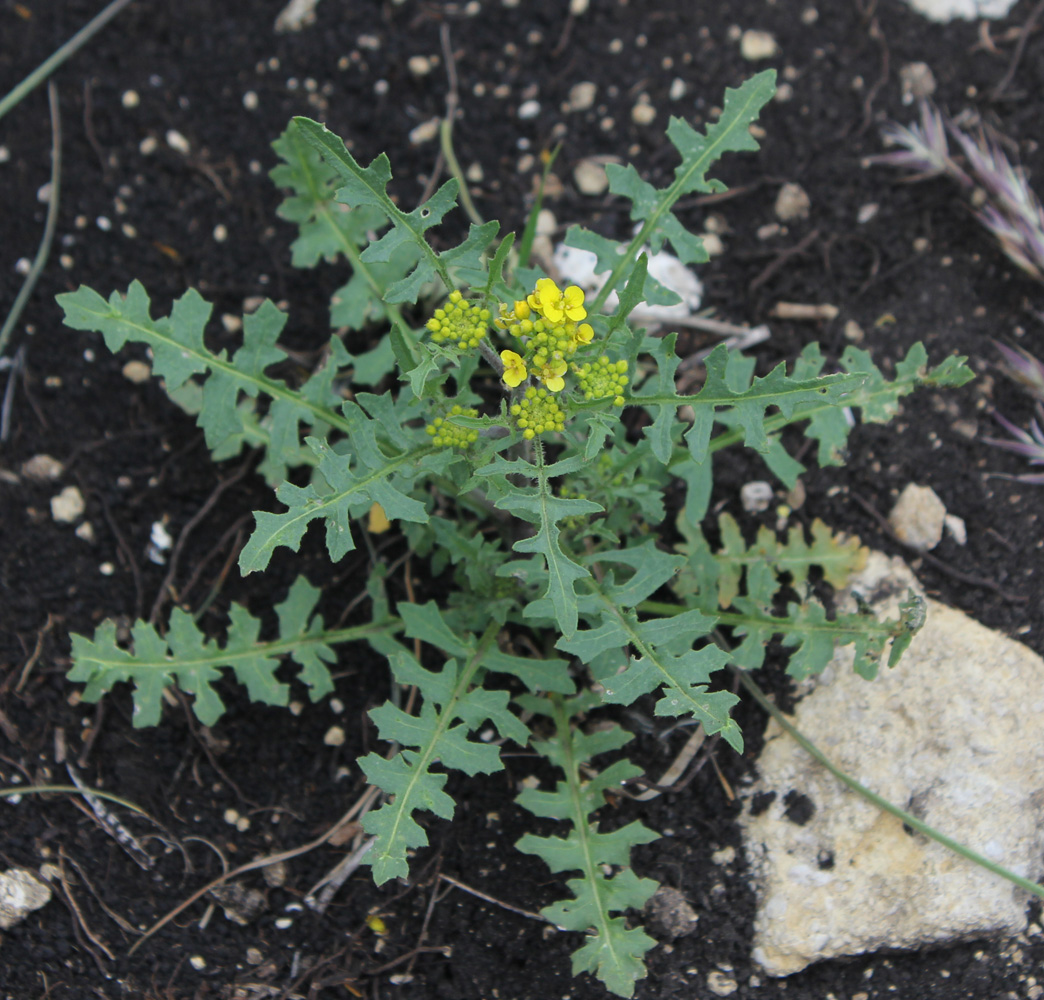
253, 866
677, 769
332, 881
206, 560
124, 925
16, 367
43, 251
1016, 56
31, 662
183, 537
495, 901
76, 911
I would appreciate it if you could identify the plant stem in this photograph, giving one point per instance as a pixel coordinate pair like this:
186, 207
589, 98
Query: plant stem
44, 250
49, 65
910, 820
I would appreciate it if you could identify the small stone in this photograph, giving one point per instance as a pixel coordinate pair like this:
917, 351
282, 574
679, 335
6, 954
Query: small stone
528, 110
853, 332
68, 505
274, 875
792, 202
769, 230
43, 193
419, 65
867, 212
756, 496
103, 223
725, 856
371, 43
240, 904
678, 89
130, 99
148, 145
21, 892
231, 322
712, 244
106, 569
254, 956
5, 154
956, 528
921, 244
917, 81
284, 923
809, 15
643, 113
42, 468
137, 372
590, 177
334, 737
198, 962
424, 132
220, 233
581, 96
720, 984
250, 100
252, 303
178, 142
231, 817
755, 45
578, 7
918, 517
474, 173
243, 824
85, 532
784, 93
669, 915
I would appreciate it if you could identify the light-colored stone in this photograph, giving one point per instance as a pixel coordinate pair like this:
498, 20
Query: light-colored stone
721, 984
966, 10
334, 737
21, 892
918, 517
68, 505
755, 45
943, 734
424, 132
581, 96
669, 915
42, 468
956, 528
917, 81
792, 202
590, 177
296, 15
756, 496
643, 113
137, 371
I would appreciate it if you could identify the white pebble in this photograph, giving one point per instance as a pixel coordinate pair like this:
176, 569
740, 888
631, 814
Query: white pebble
23, 265
381, 87
578, 7
581, 96
250, 101
231, 817
5, 154
419, 65
85, 532
198, 962
283, 923
106, 569
68, 505
178, 142
369, 42
130, 99
104, 223
424, 132
42, 468
528, 110
755, 45
756, 496
137, 372
334, 737
712, 244
678, 89
148, 145
643, 113
43, 193
792, 202
220, 233
590, 177
474, 173
867, 212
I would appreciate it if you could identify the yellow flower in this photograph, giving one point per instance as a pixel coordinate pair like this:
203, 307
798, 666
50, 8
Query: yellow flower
584, 333
551, 372
514, 368
554, 304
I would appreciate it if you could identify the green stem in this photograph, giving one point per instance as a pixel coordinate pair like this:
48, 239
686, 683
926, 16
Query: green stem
529, 233
910, 820
44, 250
88, 793
49, 65
446, 141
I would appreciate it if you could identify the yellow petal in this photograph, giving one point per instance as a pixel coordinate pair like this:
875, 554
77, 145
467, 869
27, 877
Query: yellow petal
378, 522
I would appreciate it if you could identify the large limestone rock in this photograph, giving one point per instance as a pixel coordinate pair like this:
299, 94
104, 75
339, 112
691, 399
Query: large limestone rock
951, 735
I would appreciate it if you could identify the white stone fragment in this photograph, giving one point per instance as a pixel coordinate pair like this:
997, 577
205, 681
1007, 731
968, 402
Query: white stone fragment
756, 496
137, 371
198, 962
424, 132
867, 212
678, 89
148, 145
334, 737
43, 193
643, 113
577, 267
42, 468
792, 202
528, 110
250, 100
720, 984
130, 99
68, 505
296, 15
23, 266
918, 517
590, 177
21, 892
578, 7
5, 154
966, 10
850, 878
581, 96
956, 528
917, 81
85, 532
419, 65
178, 142
755, 45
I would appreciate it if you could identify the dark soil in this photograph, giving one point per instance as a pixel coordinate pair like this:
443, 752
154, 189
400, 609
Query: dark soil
138, 459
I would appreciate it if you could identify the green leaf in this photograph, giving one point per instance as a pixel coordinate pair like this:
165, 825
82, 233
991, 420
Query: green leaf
612, 952
186, 657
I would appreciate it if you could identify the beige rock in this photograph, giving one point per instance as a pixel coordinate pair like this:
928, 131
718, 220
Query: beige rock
918, 517
42, 468
21, 892
755, 45
68, 505
792, 202
137, 371
581, 96
837, 876
590, 177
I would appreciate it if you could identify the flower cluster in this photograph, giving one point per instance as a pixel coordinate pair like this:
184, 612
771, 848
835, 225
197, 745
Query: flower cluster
460, 322
446, 434
602, 378
537, 413
548, 321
